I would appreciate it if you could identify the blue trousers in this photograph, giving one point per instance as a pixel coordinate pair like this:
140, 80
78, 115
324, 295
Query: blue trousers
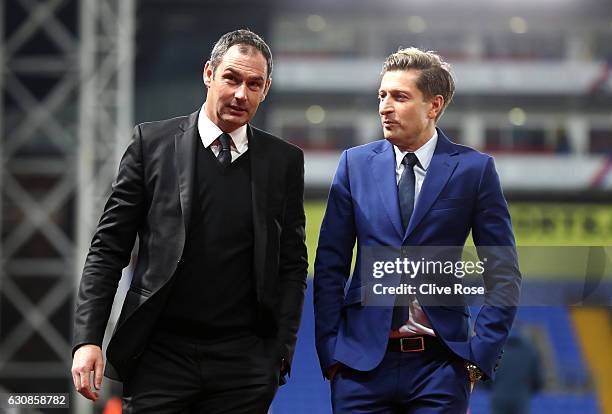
428, 382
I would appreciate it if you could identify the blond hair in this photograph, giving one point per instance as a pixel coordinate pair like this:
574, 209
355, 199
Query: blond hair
434, 73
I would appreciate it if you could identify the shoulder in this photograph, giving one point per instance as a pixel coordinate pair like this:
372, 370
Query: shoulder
472, 162
367, 150
375, 146
275, 144
467, 154
154, 130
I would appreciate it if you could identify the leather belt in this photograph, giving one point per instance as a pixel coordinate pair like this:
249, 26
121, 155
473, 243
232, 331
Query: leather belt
414, 344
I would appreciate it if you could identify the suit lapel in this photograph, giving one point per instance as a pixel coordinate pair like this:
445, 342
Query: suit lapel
440, 170
383, 171
259, 196
184, 151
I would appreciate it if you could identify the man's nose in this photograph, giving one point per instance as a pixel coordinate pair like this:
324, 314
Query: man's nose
241, 92
385, 107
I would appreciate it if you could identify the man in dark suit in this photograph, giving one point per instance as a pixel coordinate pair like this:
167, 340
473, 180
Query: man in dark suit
413, 189
519, 377
210, 320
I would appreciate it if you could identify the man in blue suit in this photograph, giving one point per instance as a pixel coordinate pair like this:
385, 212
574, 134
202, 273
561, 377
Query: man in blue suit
414, 188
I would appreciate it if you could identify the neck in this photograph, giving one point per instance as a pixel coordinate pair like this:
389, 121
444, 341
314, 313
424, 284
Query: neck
223, 126
417, 142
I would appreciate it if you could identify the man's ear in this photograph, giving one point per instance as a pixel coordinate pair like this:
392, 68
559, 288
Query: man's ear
266, 89
208, 74
437, 103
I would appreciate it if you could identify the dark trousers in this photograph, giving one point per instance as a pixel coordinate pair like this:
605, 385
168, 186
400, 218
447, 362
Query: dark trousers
429, 382
183, 375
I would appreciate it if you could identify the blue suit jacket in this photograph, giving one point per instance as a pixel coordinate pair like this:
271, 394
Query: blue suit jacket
461, 192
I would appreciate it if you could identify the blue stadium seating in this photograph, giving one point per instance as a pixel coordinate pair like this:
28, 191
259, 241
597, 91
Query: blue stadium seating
546, 403
557, 325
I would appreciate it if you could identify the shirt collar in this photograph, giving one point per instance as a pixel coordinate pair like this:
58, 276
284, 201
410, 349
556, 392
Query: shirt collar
424, 154
209, 132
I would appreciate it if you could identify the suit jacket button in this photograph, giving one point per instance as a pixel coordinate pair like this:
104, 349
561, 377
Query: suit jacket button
180, 262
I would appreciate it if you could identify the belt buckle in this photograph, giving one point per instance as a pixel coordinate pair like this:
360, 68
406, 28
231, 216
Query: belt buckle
419, 338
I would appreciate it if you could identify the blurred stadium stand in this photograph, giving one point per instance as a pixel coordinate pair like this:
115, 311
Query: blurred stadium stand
534, 88
559, 336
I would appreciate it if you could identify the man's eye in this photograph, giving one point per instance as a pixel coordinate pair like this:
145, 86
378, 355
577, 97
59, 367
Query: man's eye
255, 86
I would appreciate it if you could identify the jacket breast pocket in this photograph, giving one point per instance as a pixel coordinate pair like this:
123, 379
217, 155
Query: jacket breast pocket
452, 203
134, 298
141, 291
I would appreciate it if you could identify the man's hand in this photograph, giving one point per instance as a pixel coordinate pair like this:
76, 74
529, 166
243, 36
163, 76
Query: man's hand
87, 358
283, 368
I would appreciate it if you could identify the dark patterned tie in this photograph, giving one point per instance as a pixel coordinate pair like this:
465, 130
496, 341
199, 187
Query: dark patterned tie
405, 193
405, 188
225, 154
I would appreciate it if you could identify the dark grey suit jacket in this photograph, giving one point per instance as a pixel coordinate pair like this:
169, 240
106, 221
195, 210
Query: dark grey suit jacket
152, 197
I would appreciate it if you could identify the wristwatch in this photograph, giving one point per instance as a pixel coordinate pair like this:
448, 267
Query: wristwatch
474, 372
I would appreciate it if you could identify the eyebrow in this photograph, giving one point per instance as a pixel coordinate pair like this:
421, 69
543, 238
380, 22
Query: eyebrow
405, 91
239, 74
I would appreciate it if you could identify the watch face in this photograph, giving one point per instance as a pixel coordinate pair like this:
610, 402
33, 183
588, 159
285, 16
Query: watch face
474, 372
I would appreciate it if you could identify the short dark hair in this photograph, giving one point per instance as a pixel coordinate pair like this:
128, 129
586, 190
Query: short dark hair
435, 76
242, 37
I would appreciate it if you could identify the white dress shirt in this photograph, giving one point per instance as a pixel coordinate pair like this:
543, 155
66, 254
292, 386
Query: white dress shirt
417, 323
209, 132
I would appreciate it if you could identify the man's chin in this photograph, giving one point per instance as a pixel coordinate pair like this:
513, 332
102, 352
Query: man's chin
394, 140
237, 121
390, 138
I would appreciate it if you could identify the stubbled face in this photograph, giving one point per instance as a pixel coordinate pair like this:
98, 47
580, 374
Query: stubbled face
236, 87
408, 119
